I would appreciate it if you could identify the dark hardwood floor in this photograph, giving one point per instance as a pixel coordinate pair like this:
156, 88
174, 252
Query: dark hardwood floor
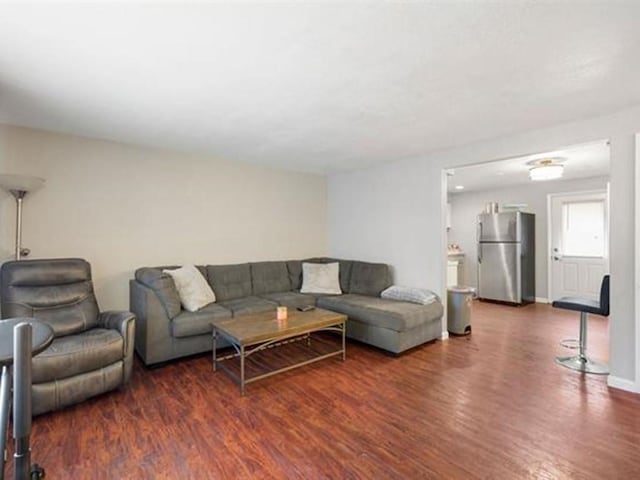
490, 405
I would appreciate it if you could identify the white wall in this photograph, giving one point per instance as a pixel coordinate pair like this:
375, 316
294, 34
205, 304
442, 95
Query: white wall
466, 206
122, 207
7, 227
394, 213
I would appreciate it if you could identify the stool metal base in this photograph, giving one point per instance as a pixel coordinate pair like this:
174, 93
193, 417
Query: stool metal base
583, 364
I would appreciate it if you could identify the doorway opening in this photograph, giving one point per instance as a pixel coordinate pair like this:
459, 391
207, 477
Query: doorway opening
506, 186
578, 200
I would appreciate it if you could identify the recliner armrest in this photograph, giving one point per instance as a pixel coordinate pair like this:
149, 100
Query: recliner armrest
116, 320
125, 323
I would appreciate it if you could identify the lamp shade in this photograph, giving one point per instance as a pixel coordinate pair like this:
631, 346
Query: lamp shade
20, 183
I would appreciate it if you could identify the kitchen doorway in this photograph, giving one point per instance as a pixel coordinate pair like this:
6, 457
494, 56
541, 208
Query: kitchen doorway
524, 184
578, 243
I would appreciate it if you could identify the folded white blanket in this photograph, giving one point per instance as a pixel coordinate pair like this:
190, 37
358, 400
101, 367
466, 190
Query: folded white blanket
409, 294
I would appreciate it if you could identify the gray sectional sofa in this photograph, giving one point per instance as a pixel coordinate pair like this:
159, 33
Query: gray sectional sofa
164, 331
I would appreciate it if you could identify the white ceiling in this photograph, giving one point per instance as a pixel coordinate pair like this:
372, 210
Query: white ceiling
580, 161
319, 87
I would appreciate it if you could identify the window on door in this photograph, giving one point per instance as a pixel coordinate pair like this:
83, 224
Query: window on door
583, 226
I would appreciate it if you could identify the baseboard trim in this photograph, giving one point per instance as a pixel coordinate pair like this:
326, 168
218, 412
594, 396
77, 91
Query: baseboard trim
542, 300
444, 335
623, 384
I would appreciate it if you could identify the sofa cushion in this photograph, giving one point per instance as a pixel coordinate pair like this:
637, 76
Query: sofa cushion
188, 324
249, 305
294, 267
201, 268
380, 312
269, 277
230, 281
291, 299
163, 286
345, 270
369, 278
75, 354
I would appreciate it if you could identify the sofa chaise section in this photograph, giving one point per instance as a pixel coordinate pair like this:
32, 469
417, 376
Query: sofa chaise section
392, 325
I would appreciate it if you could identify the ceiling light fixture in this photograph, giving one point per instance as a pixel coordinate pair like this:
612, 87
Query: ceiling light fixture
459, 187
545, 169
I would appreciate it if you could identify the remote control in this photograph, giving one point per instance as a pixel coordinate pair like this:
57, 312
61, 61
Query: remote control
306, 308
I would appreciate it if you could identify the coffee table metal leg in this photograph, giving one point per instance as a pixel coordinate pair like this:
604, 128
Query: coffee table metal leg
242, 369
213, 354
344, 342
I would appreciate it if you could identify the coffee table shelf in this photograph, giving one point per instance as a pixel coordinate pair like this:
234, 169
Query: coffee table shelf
254, 336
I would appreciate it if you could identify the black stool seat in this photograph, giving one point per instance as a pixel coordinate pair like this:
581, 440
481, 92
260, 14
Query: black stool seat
585, 306
578, 304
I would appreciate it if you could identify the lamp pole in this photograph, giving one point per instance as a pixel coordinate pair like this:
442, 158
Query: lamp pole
19, 186
19, 195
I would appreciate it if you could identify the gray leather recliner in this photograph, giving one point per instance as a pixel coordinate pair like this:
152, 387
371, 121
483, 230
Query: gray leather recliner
92, 351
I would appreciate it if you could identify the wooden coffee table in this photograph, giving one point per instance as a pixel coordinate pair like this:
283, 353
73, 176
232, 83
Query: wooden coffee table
251, 334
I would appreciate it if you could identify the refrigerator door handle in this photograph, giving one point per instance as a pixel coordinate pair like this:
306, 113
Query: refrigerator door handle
479, 233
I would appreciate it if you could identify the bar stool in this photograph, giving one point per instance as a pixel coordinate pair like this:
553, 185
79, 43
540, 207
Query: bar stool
581, 362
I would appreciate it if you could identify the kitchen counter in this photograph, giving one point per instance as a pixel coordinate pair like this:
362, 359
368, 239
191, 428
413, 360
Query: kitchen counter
455, 272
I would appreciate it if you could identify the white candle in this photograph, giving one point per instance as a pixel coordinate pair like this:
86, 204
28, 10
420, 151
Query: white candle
281, 313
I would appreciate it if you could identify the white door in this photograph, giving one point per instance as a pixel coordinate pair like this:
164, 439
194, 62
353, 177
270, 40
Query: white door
579, 243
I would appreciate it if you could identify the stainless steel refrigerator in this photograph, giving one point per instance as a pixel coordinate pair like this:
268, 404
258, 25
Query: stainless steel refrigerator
506, 257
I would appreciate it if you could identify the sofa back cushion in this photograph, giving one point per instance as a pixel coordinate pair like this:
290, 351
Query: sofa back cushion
230, 281
269, 277
164, 288
57, 291
369, 278
345, 270
294, 267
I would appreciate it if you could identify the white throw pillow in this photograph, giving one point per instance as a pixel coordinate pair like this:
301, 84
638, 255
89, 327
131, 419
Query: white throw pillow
193, 289
321, 278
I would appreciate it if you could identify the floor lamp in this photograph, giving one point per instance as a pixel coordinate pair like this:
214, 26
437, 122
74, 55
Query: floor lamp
19, 186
